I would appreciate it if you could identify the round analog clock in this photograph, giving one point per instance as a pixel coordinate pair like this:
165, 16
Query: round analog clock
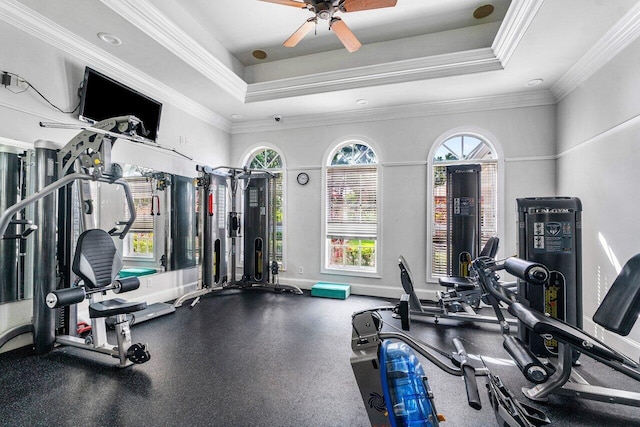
303, 178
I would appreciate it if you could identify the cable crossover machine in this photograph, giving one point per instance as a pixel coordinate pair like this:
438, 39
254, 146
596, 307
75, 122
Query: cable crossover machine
256, 228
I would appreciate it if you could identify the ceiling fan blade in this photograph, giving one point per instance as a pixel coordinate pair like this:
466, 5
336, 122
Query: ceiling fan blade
345, 35
293, 3
356, 5
300, 32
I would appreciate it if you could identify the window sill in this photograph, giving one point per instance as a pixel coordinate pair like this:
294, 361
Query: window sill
354, 273
140, 258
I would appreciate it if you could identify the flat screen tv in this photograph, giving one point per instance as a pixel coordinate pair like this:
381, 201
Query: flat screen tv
102, 98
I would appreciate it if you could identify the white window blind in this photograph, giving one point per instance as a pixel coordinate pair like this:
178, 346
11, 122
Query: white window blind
141, 192
352, 202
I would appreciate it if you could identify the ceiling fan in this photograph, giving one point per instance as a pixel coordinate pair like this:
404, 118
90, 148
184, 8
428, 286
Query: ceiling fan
326, 10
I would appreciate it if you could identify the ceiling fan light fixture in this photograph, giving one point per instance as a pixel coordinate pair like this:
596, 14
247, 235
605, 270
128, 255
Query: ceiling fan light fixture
483, 11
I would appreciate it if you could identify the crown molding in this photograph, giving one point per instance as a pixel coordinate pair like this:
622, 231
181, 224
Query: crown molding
514, 26
486, 103
150, 20
450, 64
623, 33
25, 19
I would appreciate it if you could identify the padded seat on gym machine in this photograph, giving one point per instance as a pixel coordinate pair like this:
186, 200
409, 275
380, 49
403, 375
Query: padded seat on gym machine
97, 263
465, 283
114, 307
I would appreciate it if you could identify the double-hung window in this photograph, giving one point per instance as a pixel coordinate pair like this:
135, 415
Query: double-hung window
352, 203
139, 241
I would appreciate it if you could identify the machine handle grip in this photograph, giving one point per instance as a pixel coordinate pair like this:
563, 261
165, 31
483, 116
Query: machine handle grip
473, 396
531, 272
469, 375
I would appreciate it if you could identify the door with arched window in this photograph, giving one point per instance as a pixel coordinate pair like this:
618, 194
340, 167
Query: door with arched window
269, 159
461, 149
351, 221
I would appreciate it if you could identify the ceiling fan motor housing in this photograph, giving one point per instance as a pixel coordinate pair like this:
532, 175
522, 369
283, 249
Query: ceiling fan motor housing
323, 9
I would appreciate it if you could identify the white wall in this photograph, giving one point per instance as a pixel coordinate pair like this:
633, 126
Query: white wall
599, 149
527, 139
57, 75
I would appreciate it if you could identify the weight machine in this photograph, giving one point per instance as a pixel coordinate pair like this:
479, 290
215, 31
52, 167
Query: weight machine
257, 229
87, 157
617, 313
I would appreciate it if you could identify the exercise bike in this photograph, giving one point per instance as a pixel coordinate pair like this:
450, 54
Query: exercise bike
617, 313
393, 385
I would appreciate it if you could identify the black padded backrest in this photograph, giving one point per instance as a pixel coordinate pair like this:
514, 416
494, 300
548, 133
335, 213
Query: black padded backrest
621, 306
96, 260
407, 283
490, 248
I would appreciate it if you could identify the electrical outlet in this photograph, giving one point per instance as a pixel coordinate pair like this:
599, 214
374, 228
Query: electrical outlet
148, 283
300, 270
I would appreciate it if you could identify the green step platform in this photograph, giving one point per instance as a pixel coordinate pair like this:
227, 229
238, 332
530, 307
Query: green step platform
137, 272
331, 290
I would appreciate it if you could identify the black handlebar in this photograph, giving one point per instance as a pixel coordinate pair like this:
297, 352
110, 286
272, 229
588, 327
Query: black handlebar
469, 375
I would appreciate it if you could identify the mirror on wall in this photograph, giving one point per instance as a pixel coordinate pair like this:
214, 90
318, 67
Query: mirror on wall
16, 246
143, 248
162, 238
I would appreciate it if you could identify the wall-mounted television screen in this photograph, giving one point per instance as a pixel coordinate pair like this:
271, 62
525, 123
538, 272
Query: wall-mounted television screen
103, 97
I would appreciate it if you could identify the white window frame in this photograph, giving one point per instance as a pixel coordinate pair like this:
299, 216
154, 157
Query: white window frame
326, 247
496, 147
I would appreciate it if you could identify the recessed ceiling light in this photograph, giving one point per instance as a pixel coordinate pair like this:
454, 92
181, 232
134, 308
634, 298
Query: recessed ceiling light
259, 54
534, 82
110, 38
483, 11
236, 116
362, 102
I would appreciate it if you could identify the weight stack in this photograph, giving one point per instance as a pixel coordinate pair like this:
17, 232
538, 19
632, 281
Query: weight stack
550, 233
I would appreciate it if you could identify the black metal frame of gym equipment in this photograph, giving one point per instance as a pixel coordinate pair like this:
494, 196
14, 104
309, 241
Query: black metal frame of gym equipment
212, 265
618, 312
441, 309
89, 151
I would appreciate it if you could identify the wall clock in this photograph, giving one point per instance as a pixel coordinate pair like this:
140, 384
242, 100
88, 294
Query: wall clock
303, 178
